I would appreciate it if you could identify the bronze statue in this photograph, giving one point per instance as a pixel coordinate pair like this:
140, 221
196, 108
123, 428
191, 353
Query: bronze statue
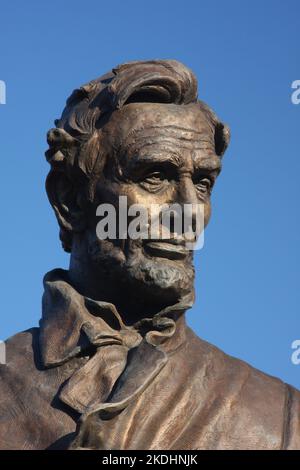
113, 364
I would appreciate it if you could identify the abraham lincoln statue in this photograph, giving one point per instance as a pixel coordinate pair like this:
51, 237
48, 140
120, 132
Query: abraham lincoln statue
113, 364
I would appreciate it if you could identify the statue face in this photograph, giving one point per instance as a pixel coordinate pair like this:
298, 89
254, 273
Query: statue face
157, 154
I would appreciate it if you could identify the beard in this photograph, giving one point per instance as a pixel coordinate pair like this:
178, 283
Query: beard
149, 281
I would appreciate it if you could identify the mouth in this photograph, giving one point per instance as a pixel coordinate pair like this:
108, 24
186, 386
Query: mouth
172, 249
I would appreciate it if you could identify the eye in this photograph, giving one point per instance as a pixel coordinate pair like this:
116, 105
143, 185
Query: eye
155, 177
154, 181
204, 185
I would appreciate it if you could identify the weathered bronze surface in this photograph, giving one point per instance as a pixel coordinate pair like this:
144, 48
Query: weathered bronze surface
113, 364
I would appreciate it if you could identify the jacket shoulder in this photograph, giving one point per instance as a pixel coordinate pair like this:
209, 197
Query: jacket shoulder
31, 416
255, 409
21, 358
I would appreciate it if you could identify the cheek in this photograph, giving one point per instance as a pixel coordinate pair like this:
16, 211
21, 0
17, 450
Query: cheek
138, 195
111, 191
150, 201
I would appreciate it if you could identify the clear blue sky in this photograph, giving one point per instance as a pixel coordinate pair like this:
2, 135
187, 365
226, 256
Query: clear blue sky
245, 55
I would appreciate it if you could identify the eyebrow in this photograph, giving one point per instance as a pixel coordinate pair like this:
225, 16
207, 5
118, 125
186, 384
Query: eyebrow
209, 164
212, 163
154, 158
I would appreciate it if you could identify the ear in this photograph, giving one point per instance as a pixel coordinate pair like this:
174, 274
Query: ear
67, 201
222, 138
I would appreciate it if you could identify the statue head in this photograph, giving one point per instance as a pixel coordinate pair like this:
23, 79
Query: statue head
140, 132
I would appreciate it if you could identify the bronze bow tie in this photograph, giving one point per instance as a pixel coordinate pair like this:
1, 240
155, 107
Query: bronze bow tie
114, 349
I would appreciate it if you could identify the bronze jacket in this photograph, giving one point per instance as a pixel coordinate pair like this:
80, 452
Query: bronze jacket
84, 380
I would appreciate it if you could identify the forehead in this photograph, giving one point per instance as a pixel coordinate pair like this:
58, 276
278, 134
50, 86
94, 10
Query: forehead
158, 129
147, 113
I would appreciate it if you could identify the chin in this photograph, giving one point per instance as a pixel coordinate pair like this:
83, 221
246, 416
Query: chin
161, 280
156, 280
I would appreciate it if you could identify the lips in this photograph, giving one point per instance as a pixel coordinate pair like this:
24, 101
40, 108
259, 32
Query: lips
171, 249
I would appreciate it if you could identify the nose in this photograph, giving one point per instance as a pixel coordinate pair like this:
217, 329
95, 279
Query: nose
187, 197
187, 193
186, 221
